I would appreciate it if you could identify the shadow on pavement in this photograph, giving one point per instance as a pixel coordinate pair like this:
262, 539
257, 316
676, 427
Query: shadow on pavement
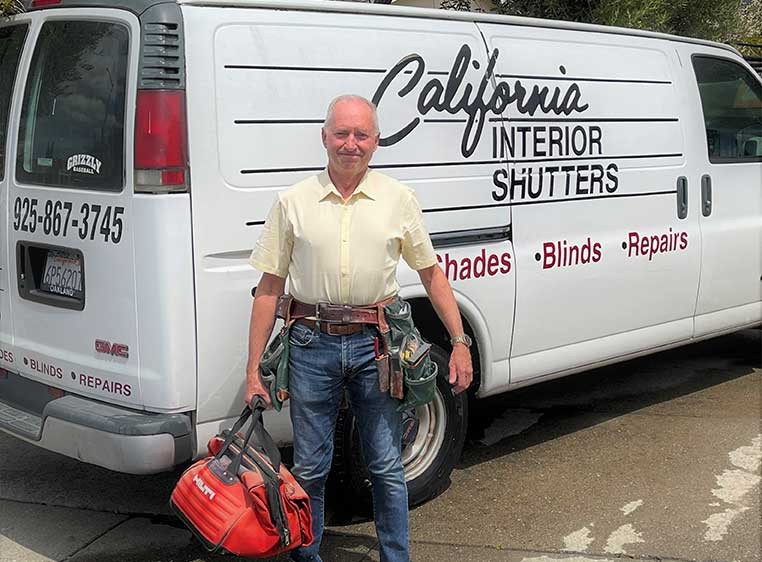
170, 544
572, 403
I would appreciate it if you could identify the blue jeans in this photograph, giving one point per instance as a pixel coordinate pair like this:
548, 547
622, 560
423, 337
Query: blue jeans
321, 366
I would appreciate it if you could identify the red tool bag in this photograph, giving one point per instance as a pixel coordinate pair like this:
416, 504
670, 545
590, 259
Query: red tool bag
242, 499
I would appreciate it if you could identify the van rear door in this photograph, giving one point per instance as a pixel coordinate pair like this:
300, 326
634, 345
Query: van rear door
73, 297
12, 39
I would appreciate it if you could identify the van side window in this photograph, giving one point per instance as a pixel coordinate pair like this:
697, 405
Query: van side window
11, 43
732, 102
72, 120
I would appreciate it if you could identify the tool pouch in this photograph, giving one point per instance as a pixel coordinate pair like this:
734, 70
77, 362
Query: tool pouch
410, 359
419, 370
274, 368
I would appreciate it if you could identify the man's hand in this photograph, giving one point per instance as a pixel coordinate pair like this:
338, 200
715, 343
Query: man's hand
255, 386
461, 371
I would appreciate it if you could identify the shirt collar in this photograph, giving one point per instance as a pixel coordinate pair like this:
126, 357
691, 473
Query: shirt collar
366, 187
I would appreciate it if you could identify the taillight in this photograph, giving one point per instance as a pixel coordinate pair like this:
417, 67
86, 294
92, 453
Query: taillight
161, 155
42, 3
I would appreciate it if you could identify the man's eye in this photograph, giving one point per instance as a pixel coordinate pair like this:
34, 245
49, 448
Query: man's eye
341, 134
361, 136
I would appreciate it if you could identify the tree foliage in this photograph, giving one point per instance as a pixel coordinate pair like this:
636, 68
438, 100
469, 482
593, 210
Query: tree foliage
720, 20
10, 7
750, 20
459, 5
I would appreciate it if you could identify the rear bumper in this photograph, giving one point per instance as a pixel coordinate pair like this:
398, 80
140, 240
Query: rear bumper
112, 437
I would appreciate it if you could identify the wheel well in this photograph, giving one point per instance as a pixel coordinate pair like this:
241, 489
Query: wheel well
431, 327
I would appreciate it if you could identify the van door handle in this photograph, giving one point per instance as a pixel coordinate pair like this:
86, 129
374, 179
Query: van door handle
682, 197
706, 195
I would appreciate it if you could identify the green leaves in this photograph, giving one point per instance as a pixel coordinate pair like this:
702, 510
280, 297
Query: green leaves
459, 5
10, 7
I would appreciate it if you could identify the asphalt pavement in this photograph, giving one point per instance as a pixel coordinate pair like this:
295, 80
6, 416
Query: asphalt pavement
654, 459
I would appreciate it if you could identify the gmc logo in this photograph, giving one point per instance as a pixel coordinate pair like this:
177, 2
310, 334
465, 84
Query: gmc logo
115, 349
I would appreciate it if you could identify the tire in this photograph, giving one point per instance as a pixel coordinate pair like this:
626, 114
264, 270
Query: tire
433, 437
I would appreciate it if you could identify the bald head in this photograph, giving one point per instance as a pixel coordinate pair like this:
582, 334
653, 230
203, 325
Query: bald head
350, 136
350, 99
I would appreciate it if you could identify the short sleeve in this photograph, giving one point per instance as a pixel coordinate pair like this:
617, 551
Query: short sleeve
417, 250
272, 253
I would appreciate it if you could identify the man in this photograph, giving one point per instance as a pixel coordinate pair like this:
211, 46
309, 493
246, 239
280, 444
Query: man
338, 236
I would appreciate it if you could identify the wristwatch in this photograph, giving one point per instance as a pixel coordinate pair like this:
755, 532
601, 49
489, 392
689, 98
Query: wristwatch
465, 339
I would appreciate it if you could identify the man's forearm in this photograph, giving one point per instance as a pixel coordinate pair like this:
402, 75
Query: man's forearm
443, 300
260, 327
262, 318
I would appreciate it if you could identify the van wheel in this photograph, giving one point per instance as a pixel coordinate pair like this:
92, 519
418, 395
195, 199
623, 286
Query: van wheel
432, 441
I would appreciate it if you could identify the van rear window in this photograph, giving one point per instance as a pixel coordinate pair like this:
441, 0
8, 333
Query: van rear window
731, 98
72, 122
11, 42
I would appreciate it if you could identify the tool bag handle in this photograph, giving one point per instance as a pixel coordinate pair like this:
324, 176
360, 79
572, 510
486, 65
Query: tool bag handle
271, 480
264, 443
231, 434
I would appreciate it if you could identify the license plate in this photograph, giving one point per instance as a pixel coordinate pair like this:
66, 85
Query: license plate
62, 275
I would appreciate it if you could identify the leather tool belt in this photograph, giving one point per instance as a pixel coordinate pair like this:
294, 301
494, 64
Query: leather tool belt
342, 320
405, 368
291, 309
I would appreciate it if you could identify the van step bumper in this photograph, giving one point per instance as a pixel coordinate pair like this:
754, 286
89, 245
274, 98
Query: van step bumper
109, 436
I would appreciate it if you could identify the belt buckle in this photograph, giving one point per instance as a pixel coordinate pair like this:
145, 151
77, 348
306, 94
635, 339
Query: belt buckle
346, 311
318, 307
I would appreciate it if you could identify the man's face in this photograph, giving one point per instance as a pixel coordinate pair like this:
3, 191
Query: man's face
349, 137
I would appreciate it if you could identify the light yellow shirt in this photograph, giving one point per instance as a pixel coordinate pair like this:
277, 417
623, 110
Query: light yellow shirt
343, 252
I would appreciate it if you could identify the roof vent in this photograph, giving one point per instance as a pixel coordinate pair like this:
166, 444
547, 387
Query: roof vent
162, 60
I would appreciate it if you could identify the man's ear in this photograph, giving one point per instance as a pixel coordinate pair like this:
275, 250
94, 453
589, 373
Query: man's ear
323, 136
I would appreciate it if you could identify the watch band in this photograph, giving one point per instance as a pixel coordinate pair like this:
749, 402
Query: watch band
465, 339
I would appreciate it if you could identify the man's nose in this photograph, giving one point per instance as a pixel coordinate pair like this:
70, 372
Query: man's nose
351, 142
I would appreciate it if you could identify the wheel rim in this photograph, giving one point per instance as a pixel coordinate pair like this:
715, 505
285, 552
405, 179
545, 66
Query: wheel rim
418, 456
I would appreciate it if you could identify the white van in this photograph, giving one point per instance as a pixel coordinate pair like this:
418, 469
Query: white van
593, 194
